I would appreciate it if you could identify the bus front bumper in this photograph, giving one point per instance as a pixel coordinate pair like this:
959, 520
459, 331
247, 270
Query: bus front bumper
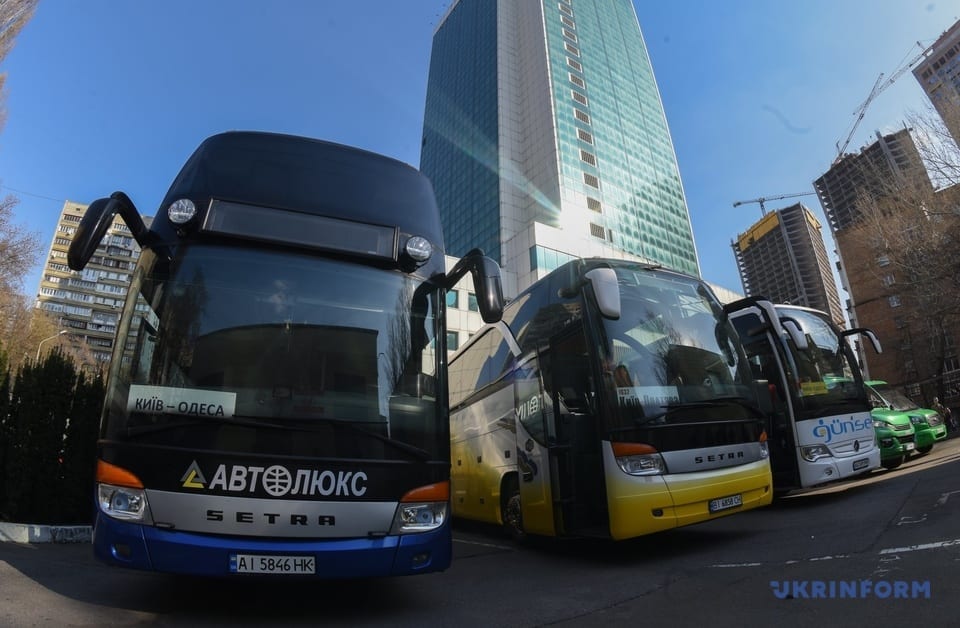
145, 547
641, 505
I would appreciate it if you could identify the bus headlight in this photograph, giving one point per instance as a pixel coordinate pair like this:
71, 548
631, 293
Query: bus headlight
638, 459
644, 464
812, 453
412, 518
123, 502
422, 509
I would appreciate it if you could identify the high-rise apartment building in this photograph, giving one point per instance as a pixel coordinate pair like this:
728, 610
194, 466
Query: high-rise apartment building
783, 257
886, 167
545, 138
892, 156
88, 303
939, 75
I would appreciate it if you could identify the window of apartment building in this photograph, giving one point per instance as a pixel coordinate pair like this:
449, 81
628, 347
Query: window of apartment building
452, 298
883, 260
453, 341
572, 49
580, 98
62, 241
472, 302
597, 231
567, 21
585, 136
576, 80
589, 158
593, 204
566, 9
573, 63
570, 35
591, 180
582, 116
894, 300
72, 218
888, 280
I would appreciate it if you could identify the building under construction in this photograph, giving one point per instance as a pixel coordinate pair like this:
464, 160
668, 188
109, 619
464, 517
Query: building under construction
783, 257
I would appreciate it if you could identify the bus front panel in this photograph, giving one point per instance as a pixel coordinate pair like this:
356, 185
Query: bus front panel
640, 505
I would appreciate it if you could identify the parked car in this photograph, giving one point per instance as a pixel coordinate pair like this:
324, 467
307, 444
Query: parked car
928, 425
895, 435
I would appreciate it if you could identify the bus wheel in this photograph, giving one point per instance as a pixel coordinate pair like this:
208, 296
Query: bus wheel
512, 511
893, 463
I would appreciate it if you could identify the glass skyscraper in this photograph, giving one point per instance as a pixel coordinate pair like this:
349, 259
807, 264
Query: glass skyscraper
545, 138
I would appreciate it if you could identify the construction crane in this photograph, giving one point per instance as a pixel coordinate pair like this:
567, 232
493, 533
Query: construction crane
878, 86
764, 199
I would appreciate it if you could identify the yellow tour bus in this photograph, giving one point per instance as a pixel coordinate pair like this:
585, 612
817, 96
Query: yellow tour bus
612, 400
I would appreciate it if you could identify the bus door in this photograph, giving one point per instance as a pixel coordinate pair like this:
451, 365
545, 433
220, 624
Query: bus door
576, 464
535, 429
766, 364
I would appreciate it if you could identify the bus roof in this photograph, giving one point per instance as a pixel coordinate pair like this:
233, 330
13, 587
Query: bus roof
309, 176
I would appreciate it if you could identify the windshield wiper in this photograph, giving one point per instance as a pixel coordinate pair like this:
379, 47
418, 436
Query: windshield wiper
704, 403
423, 454
140, 430
251, 421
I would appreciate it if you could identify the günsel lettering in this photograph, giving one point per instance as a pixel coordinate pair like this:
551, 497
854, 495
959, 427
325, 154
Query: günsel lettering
838, 427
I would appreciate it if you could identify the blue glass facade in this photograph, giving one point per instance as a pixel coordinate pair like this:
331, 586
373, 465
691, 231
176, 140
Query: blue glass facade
459, 152
614, 159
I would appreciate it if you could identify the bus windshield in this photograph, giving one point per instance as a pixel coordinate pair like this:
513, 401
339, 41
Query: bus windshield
277, 353
673, 348
828, 384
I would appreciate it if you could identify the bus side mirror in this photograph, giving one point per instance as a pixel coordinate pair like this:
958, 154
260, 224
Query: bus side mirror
486, 283
865, 332
94, 224
606, 290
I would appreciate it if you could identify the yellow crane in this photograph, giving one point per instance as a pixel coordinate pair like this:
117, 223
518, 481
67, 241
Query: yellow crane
764, 199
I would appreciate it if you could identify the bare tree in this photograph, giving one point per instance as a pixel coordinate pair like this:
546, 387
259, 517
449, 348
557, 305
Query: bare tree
936, 143
910, 218
18, 248
14, 15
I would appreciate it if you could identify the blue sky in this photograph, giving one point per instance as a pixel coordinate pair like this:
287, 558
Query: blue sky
103, 96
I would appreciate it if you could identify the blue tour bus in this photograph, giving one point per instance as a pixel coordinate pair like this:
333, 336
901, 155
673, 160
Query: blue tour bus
277, 397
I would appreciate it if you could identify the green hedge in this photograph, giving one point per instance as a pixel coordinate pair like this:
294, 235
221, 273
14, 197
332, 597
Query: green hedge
49, 421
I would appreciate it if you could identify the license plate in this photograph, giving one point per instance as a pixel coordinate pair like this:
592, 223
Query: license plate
908, 446
860, 464
259, 563
723, 503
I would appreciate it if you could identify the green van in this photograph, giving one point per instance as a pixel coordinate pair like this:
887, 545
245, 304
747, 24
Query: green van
928, 425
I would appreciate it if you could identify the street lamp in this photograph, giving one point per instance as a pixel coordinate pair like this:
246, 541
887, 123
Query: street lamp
56, 335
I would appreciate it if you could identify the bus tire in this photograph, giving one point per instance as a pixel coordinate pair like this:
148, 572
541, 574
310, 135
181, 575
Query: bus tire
893, 463
512, 510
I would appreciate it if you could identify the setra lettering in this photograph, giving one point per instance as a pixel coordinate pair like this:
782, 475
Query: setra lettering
719, 457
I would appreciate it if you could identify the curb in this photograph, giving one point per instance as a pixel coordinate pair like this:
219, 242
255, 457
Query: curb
33, 533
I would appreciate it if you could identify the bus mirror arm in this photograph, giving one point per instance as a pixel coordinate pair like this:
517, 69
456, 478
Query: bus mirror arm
95, 223
865, 332
486, 283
